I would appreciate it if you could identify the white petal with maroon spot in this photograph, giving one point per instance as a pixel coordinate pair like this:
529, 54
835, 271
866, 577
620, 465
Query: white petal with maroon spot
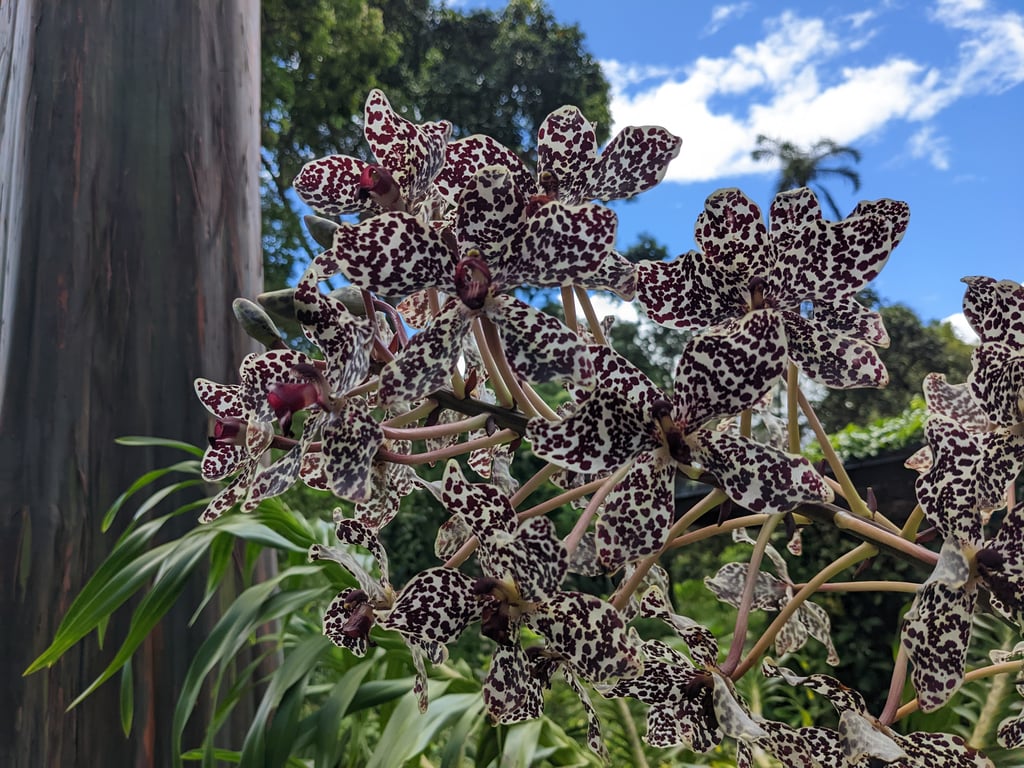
995, 310
757, 477
729, 368
954, 401
637, 513
848, 317
434, 605
465, 157
426, 363
511, 694
351, 440
394, 254
692, 291
330, 185
635, 160
996, 380
538, 346
590, 635
840, 362
562, 244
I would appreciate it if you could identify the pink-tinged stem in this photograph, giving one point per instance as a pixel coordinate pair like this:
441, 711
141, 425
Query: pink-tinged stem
850, 559
501, 390
793, 407
709, 531
532, 485
606, 486
739, 634
1005, 667
899, 679
569, 308
449, 451
857, 504
702, 507
592, 319
437, 430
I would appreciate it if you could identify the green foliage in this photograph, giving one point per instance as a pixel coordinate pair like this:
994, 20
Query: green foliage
880, 436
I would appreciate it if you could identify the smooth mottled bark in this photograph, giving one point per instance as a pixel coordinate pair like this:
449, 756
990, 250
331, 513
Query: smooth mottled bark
129, 219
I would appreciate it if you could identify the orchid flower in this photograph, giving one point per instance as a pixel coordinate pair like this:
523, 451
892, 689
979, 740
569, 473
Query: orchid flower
742, 267
523, 567
568, 165
352, 614
628, 420
408, 158
498, 241
861, 741
773, 593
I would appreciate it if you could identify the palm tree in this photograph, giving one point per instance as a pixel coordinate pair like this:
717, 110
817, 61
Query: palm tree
805, 167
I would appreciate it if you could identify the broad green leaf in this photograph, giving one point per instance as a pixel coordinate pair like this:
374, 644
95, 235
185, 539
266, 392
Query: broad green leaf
298, 663
328, 747
128, 566
191, 467
251, 529
160, 442
127, 698
175, 569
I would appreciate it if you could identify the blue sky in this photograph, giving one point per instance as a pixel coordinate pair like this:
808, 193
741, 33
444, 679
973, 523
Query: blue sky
931, 91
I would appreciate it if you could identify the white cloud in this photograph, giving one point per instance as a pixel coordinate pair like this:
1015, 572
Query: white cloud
606, 304
961, 328
925, 144
793, 85
721, 14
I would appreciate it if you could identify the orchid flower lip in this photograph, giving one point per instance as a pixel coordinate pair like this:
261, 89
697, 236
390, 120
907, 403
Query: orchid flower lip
228, 431
473, 279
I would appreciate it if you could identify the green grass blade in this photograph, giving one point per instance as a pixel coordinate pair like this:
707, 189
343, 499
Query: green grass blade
190, 467
127, 698
160, 442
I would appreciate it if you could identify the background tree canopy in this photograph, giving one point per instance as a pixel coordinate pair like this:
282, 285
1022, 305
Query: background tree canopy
496, 73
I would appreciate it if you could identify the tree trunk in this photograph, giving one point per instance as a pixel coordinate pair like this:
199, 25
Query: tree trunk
129, 219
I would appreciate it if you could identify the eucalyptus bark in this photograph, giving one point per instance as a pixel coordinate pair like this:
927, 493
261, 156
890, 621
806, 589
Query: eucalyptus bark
129, 219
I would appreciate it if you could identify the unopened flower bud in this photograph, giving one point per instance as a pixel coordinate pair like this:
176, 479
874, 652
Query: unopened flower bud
280, 303
257, 323
321, 229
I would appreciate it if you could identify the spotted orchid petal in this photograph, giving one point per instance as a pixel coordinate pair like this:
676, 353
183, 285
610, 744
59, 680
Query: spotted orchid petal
733, 717
729, 368
826, 261
233, 493
840, 362
533, 558
692, 291
698, 638
617, 274
594, 739
435, 605
925, 750
491, 211
937, 629
259, 370
732, 234
563, 244
843, 698
538, 346
352, 530
414, 154
467, 156
848, 317
426, 363
637, 513
347, 621
679, 696
955, 402
948, 490
484, 508
590, 635
634, 161
729, 582
997, 382
330, 185
223, 401
757, 477
1001, 564
995, 310
511, 694
283, 473
350, 440
394, 254
566, 143
603, 434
